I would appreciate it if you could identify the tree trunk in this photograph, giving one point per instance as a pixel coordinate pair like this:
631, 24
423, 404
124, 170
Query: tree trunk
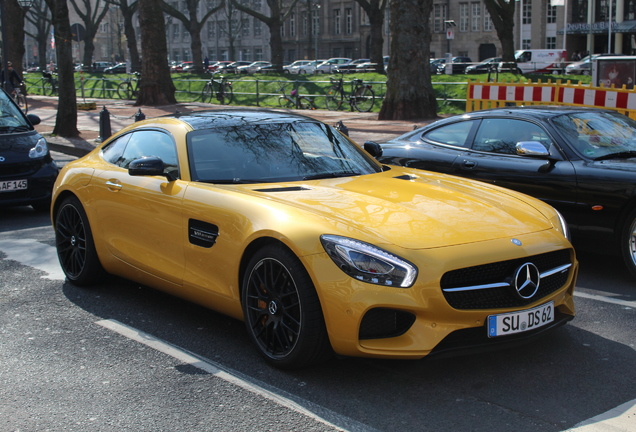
131, 38
376, 20
502, 13
409, 92
66, 120
89, 49
195, 45
156, 86
15, 34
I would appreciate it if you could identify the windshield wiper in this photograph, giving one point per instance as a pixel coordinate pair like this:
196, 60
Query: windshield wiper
619, 155
235, 181
331, 175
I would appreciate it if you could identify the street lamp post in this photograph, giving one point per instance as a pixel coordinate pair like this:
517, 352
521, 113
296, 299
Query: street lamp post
315, 21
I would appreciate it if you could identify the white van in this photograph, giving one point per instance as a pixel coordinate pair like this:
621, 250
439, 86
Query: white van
541, 60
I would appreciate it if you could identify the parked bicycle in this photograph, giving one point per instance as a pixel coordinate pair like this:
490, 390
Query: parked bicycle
129, 88
294, 100
361, 97
49, 83
220, 88
20, 97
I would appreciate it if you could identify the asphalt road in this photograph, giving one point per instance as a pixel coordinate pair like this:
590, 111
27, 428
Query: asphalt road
124, 357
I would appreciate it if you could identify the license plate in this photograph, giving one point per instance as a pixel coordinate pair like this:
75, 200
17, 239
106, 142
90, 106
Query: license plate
517, 322
12, 185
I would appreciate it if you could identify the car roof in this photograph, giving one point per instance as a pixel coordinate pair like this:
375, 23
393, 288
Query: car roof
228, 117
533, 111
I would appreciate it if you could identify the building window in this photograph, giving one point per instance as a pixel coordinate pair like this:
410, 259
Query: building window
552, 14
526, 44
305, 23
348, 21
464, 15
211, 33
258, 54
550, 42
476, 17
439, 15
527, 11
175, 31
292, 24
245, 27
223, 29
245, 54
186, 33
258, 29
487, 21
337, 24
315, 22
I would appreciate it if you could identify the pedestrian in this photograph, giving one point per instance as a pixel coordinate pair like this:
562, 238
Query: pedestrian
206, 63
10, 79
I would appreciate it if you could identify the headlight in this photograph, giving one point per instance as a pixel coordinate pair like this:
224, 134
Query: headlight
368, 263
40, 150
560, 222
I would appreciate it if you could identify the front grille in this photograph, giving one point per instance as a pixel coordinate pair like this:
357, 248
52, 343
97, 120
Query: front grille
382, 323
20, 169
500, 273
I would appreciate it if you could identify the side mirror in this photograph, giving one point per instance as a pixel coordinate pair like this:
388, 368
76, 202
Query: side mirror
373, 148
35, 120
149, 166
532, 148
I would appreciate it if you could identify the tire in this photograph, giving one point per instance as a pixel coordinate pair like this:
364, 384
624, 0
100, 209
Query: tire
225, 94
628, 243
21, 101
282, 310
286, 102
333, 100
306, 103
206, 94
47, 88
125, 91
364, 99
75, 245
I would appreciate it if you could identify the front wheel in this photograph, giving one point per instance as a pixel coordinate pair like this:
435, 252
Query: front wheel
364, 99
225, 94
286, 102
75, 245
48, 89
333, 100
282, 310
628, 243
21, 101
125, 91
206, 94
306, 103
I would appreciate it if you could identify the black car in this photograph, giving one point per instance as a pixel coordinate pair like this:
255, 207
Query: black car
459, 65
27, 171
582, 161
117, 69
483, 67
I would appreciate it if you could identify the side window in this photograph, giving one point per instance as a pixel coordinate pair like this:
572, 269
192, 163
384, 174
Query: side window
502, 135
151, 143
455, 134
113, 151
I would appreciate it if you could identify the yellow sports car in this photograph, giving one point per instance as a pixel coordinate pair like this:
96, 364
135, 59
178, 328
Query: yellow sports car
281, 221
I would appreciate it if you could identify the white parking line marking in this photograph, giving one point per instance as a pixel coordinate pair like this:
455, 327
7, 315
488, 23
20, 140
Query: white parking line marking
224, 374
620, 419
32, 253
606, 299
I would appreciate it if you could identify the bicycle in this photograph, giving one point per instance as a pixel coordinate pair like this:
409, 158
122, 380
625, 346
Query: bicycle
129, 89
49, 83
221, 89
20, 98
294, 100
361, 97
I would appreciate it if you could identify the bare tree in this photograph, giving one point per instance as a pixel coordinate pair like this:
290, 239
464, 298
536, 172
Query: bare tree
193, 24
14, 33
409, 92
66, 120
128, 10
40, 16
278, 13
502, 13
375, 11
231, 27
91, 13
156, 86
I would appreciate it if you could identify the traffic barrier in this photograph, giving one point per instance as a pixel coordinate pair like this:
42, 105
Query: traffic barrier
484, 95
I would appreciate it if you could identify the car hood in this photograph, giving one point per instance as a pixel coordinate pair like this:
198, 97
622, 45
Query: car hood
413, 209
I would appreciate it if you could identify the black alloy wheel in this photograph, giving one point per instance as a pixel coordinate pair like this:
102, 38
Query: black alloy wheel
74, 243
282, 310
628, 243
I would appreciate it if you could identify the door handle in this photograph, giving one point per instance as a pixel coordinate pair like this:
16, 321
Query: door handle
469, 164
113, 185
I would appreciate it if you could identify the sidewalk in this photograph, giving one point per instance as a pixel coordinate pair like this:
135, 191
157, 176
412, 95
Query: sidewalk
362, 126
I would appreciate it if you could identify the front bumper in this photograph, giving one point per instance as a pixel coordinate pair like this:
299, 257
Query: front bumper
41, 179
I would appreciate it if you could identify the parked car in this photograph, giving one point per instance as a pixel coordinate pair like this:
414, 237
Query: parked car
584, 67
216, 65
485, 66
437, 65
460, 63
295, 66
27, 171
232, 67
329, 66
370, 67
100, 66
582, 161
118, 68
351, 66
308, 68
282, 221
252, 67
178, 68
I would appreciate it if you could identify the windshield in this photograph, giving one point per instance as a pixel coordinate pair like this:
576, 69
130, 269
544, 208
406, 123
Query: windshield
598, 135
274, 152
11, 118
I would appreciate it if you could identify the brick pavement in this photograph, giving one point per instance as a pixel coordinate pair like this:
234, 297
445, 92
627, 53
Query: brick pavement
362, 126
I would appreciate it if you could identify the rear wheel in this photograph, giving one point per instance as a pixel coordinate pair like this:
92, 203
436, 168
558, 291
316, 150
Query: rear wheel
364, 99
74, 243
333, 100
206, 94
47, 88
225, 95
628, 243
282, 310
125, 91
286, 102
306, 103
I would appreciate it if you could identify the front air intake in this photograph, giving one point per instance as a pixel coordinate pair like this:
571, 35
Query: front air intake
381, 323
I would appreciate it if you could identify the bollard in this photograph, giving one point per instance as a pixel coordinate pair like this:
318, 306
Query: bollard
140, 116
342, 128
104, 125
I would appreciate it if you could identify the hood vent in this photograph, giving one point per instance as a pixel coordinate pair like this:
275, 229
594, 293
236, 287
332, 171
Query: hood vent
283, 189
